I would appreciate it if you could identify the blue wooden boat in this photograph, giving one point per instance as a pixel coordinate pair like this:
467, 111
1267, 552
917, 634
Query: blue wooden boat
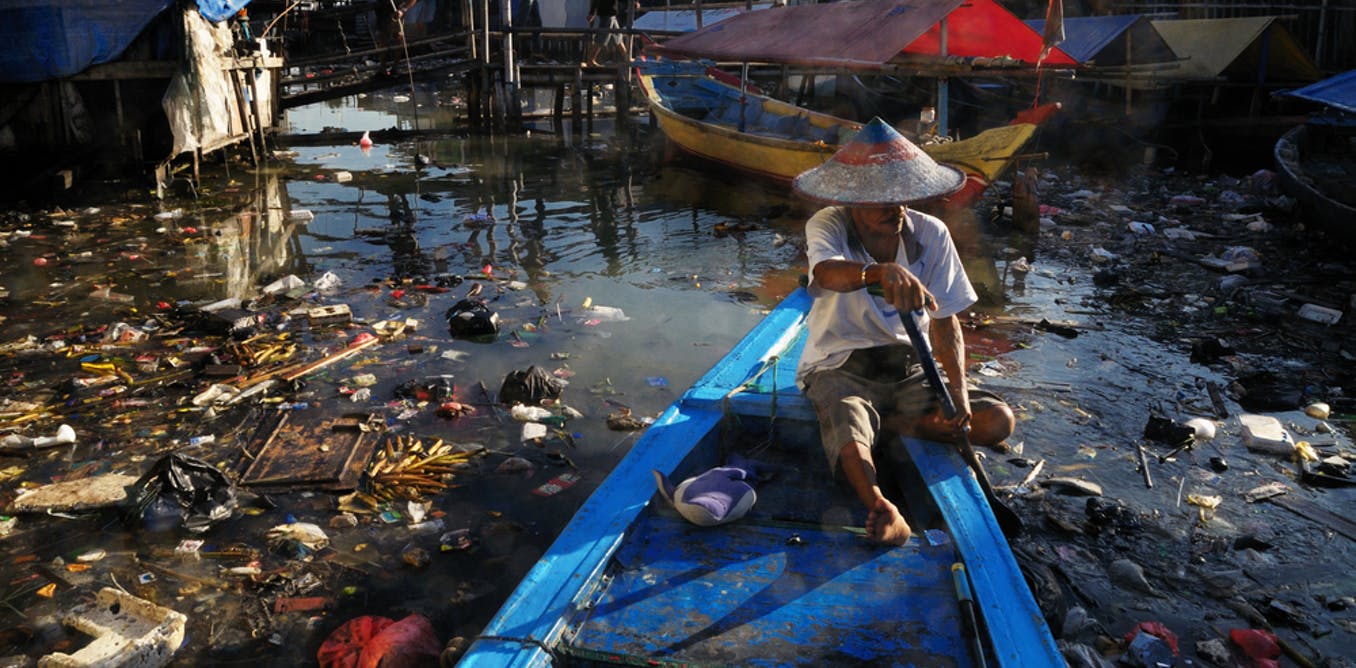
794, 582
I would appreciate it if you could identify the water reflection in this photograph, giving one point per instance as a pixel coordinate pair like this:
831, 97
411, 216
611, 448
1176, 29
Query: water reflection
692, 257
256, 243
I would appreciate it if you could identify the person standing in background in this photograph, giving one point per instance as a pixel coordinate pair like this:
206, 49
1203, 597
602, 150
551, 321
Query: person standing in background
603, 14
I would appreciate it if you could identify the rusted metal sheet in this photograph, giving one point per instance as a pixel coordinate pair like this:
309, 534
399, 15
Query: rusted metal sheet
297, 453
842, 34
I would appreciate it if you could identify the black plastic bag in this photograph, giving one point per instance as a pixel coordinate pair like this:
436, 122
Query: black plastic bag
180, 489
529, 387
1164, 430
472, 319
433, 388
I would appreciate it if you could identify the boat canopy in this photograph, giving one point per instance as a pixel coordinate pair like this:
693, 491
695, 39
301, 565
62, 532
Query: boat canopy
1103, 40
866, 34
1235, 49
53, 39
1338, 92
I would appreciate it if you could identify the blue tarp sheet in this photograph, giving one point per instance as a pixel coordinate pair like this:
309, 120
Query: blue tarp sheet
217, 11
685, 20
51, 39
1086, 36
1338, 91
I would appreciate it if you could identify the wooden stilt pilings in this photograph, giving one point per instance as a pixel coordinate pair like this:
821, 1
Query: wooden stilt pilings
494, 94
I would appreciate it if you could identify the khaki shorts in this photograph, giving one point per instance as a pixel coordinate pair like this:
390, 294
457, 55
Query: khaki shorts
605, 39
849, 400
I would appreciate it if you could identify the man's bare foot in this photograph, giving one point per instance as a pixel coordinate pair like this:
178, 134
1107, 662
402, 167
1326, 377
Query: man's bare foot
885, 525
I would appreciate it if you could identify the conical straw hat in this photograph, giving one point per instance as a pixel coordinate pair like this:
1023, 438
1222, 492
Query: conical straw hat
878, 167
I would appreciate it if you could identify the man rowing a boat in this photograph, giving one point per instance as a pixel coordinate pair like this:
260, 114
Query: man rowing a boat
858, 367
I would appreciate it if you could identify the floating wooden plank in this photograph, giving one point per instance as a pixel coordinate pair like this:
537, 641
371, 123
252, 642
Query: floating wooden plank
300, 454
1314, 513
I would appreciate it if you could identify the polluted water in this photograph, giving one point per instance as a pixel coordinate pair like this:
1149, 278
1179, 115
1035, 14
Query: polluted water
277, 408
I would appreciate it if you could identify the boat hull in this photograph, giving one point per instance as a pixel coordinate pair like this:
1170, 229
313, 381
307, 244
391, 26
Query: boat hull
778, 140
795, 582
1323, 211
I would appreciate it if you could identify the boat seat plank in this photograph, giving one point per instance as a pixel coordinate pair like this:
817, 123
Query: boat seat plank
785, 594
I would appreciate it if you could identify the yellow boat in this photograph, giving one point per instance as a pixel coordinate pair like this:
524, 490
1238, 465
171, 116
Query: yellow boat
704, 112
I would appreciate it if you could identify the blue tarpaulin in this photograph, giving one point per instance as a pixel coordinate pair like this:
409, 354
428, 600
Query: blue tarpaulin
1338, 92
1102, 40
217, 11
1084, 37
685, 20
52, 39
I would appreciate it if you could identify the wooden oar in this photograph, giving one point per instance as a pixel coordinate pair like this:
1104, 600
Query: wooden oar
1008, 520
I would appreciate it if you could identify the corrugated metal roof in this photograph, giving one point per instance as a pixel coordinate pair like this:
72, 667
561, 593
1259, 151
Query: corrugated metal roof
864, 33
1338, 91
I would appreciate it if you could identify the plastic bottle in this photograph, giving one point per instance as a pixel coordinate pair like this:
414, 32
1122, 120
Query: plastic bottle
428, 526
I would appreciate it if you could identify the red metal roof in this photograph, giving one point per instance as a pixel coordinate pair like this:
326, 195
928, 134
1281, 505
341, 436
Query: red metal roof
865, 34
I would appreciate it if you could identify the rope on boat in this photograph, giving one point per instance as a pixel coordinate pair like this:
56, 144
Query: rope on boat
771, 362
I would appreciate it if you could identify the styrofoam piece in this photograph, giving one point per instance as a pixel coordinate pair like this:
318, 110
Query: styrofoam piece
533, 431
1264, 433
129, 632
101, 491
1320, 314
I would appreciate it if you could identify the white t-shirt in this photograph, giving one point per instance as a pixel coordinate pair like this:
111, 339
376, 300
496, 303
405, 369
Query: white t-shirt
841, 322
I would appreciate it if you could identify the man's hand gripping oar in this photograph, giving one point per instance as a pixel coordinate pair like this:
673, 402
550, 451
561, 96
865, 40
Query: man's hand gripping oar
1008, 520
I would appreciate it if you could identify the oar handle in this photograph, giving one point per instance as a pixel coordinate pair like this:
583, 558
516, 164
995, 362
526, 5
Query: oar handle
924, 350
928, 362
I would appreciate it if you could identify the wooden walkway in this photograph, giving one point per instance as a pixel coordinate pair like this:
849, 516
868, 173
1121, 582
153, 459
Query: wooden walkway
493, 72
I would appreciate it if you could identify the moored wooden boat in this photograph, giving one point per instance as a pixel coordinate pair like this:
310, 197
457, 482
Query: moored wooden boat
1324, 186
709, 116
629, 582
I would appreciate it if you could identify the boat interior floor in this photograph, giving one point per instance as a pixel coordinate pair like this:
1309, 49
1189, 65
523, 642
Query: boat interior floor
794, 582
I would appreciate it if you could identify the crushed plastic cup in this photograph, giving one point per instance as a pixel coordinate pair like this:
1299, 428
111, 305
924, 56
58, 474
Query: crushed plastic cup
327, 282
